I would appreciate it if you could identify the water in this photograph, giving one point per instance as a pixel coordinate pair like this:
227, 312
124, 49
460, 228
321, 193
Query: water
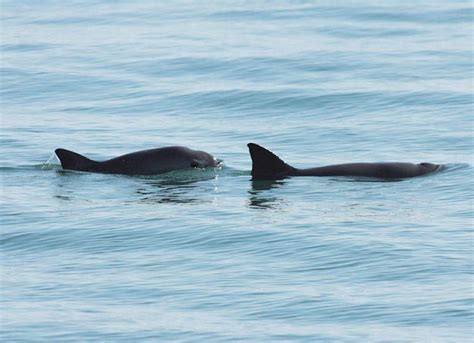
210, 255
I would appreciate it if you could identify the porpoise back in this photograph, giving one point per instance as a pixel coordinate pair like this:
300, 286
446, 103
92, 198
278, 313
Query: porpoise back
145, 162
267, 165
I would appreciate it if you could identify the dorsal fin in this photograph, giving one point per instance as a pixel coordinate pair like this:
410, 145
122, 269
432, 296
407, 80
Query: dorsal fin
74, 161
267, 165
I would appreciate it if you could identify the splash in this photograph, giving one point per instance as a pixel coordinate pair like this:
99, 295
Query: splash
51, 163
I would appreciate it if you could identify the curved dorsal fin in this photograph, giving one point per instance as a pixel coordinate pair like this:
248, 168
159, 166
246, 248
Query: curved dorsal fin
267, 165
73, 161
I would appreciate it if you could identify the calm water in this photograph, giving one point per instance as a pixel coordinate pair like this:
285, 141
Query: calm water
210, 255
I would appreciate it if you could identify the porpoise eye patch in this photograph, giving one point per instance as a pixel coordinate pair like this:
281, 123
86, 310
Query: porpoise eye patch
194, 164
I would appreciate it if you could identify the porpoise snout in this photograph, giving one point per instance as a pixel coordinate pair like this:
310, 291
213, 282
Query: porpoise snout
430, 167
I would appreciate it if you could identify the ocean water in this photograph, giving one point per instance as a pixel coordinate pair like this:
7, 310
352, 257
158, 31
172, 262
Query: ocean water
210, 255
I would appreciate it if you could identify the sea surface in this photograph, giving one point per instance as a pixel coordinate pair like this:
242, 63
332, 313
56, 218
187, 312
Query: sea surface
210, 255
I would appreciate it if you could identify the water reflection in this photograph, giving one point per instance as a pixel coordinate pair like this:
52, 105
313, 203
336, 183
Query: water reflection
176, 191
184, 187
260, 198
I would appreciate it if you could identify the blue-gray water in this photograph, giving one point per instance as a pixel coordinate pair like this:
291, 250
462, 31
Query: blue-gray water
209, 255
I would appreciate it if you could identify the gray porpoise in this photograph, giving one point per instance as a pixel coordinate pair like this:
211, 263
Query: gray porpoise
145, 162
267, 166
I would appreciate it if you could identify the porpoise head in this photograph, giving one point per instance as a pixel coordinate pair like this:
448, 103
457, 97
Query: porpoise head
426, 168
202, 159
